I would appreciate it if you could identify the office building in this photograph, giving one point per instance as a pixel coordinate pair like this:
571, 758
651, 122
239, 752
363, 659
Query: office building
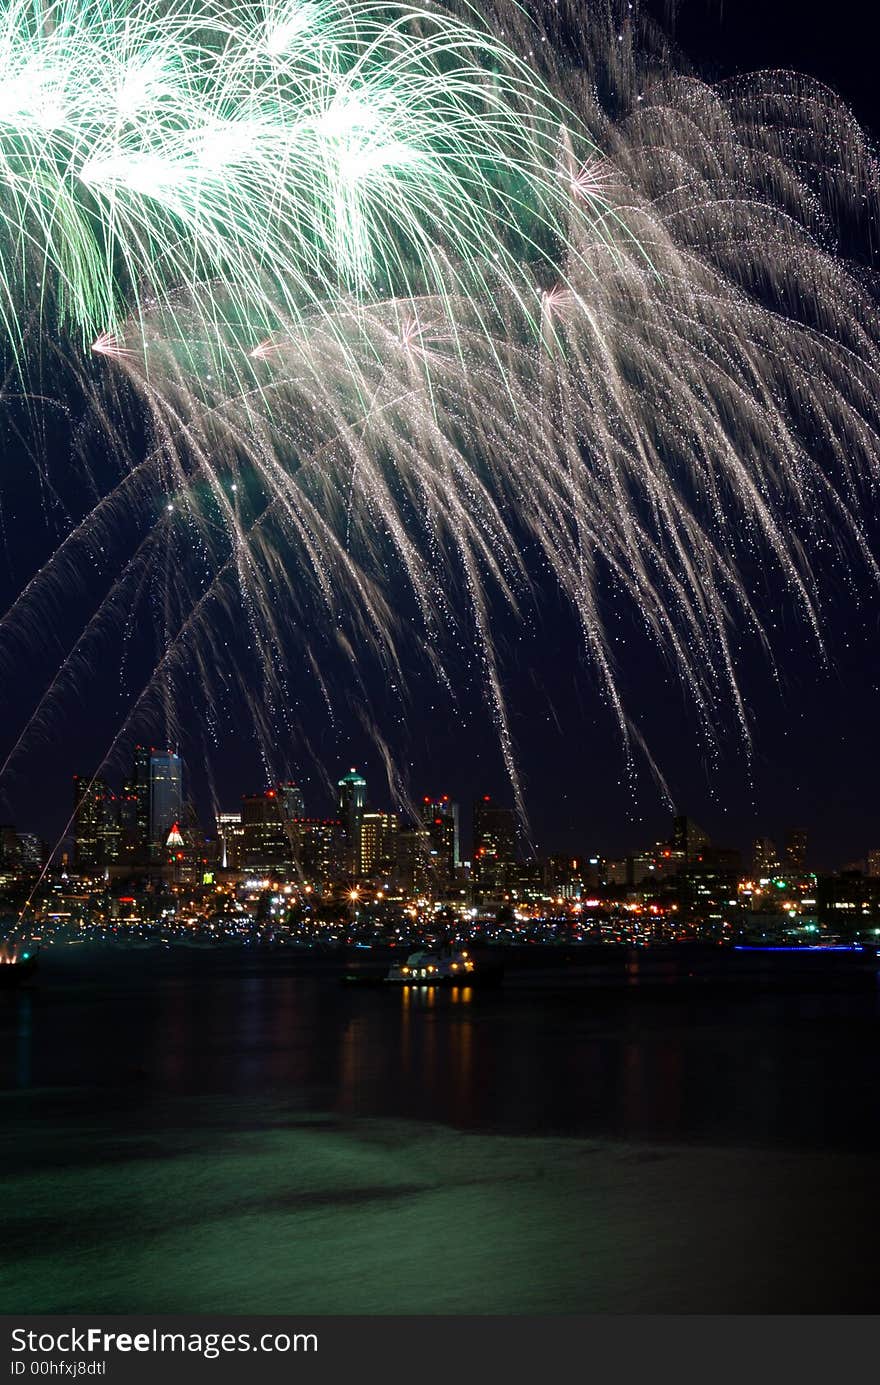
166, 795
265, 840
293, 804
411, 872
135, 810
10, 849
32, 852
318, 850
688, 839
796, 850
765, 858
439, 818
352, 801
495, 843
96, 825
230, 840
378, 845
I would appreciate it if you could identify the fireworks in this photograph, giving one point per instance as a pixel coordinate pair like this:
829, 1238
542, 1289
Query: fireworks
419, 315
290, 149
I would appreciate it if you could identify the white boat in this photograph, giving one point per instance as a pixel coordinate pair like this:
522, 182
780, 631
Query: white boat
433, 969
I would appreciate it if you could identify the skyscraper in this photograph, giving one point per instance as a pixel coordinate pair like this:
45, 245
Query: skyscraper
96, 824
765, 857
10, 848
136, 806
33, 851
378, 848
318, 846
796, 849
293, 804
352, 800
230, 835
688, 838
268, 833
266, 845
411, 870
152, 801
495, 841
439, 818
166, 795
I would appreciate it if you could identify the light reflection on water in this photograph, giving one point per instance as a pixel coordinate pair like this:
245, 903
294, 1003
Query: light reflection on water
245, 1140
795, 1068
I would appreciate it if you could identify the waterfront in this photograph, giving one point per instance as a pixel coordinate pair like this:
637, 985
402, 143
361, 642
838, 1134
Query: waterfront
230, 1132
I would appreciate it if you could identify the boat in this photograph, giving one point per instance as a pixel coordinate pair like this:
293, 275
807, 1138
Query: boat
17, 963
430, 967
442, 968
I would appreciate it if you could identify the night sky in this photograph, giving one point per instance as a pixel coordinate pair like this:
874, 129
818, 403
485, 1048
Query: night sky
814, 754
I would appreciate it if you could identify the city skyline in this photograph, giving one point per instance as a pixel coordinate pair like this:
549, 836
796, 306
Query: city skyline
142, 810
274, 878
607, 818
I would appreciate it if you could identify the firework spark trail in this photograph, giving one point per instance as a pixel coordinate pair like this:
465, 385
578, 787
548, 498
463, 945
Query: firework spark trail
450, 310
282, 146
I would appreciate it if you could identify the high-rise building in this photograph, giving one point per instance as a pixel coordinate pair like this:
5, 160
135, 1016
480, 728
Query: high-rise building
166, 795
230, 837
10, 849
352, 800
411, 870
136, 805
33, 852
318, 848
268, 835
88, 812
152, 801
873, 864
765, 857
688, 838
439, 818
378, 846
495, 843
796, 849
565, 876
293, 804
96, 824
266, 845
707, 887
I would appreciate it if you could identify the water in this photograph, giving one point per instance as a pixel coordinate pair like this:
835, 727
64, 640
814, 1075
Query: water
228, 1133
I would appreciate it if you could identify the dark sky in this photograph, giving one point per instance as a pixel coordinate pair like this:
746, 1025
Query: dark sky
814, 755
832, 42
